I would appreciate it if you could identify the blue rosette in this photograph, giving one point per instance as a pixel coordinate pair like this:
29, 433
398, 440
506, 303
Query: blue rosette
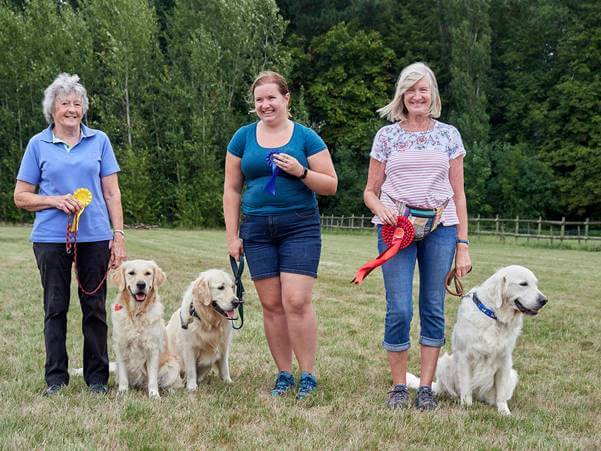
275, 171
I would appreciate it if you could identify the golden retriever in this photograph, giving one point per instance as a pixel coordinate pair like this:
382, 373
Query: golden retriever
139, 336
489, 321
200, 331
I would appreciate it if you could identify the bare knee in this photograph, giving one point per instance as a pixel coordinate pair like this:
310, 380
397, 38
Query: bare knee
297, 305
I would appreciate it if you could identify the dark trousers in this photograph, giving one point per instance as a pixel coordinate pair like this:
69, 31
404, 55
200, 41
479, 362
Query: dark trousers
55, 264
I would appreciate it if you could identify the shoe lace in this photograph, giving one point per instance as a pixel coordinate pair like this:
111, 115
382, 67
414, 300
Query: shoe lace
282, 383
425, 396
307, 384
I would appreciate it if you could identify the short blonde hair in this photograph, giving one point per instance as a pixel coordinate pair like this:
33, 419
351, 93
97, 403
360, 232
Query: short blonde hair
62, 86
395, 110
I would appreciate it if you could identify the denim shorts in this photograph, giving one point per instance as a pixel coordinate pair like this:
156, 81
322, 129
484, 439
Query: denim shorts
434, 255
288, 242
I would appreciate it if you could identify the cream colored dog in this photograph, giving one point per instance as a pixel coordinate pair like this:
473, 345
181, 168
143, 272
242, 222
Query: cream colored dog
139, 337
200, 331
489, 321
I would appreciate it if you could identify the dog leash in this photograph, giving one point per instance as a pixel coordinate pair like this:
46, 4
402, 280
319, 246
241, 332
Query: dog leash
238, 269
71, 246
452, 278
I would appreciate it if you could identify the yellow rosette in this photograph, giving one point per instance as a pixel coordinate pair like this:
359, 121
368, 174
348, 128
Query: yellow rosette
84, 197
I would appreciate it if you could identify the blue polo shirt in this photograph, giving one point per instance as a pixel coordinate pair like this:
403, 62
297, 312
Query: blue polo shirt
291, 193
58, 170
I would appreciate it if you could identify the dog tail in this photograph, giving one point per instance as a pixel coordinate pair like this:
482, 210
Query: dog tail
412, 381
79, 371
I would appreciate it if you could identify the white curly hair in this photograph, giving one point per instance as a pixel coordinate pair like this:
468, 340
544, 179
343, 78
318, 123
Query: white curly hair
62, 86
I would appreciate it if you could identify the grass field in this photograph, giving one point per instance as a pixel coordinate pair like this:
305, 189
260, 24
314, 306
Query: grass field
557, 403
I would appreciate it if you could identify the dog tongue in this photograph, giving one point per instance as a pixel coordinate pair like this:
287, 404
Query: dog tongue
230, 313
140, 297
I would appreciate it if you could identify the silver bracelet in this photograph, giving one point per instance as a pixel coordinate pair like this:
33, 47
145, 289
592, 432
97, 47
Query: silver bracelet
119, 231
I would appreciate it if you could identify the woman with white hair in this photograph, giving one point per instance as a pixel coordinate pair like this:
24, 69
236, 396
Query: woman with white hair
416, 173
58, 161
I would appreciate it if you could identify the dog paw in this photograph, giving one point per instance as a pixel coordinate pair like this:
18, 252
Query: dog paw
503, 409
153, 394
228, 380
123, 389
192, 387
466, 401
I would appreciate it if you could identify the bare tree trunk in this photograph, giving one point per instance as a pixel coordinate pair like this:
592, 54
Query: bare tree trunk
129, 140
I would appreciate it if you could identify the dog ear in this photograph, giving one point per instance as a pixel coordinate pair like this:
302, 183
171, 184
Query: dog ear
159, 275
201, 291
500, 291
118, 277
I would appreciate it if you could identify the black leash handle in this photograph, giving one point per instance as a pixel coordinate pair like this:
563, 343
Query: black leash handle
238, 269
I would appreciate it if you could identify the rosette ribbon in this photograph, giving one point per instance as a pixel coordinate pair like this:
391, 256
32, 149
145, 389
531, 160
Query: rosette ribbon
84, 196
396, 238
275, 171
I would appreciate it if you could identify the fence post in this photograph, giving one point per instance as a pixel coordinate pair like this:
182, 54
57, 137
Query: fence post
540, 223
586, 230
478, 225
563, 229
497, 225
517, 227
352, 221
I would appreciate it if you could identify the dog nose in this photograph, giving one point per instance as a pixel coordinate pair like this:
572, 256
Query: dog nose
542, 300
141, 285
236, 302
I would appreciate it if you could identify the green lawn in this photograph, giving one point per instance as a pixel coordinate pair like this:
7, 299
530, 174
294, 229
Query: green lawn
557, 403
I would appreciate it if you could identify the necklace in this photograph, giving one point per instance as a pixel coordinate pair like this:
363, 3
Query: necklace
417, 127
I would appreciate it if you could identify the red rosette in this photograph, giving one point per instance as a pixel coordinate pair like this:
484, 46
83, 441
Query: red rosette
403, 231
396, 237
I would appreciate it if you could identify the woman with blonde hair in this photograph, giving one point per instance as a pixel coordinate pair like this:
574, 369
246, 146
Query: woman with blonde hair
416, 168
273, 169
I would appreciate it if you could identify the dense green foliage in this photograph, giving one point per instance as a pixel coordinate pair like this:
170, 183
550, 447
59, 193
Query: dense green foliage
168, 81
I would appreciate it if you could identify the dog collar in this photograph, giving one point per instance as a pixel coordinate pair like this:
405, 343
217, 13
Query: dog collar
193, 314
484, 309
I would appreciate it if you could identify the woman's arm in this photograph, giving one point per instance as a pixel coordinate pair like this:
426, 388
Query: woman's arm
112, 197
371, 194
463, 262
321, 176
25, 197
232, 193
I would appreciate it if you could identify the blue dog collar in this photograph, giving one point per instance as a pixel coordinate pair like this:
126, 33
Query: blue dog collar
484, 309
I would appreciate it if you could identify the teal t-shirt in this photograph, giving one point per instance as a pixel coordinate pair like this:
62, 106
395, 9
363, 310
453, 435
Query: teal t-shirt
291, 194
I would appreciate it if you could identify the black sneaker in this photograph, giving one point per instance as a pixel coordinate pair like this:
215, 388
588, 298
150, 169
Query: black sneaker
53, 389
398, 397
425, 399
98, 389
283, 384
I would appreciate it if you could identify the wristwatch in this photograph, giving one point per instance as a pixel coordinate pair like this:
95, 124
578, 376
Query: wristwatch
305, 170
466, 242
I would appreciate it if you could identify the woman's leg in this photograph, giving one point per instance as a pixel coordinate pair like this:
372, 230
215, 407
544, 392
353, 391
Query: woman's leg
398, 282
93, 259
275, 322
435, 257
55, 272
297, 292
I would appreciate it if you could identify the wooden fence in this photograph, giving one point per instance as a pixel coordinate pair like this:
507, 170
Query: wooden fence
537, 229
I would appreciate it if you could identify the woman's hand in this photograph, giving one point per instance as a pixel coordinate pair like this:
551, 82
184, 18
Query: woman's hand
235, 247
67, 203
118, 253
288, 164
386, 215
463, 262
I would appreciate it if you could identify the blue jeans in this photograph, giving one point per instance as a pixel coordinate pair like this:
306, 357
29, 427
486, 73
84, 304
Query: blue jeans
434, 255
288, 242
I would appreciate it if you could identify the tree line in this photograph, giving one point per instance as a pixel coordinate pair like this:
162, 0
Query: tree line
168, 82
